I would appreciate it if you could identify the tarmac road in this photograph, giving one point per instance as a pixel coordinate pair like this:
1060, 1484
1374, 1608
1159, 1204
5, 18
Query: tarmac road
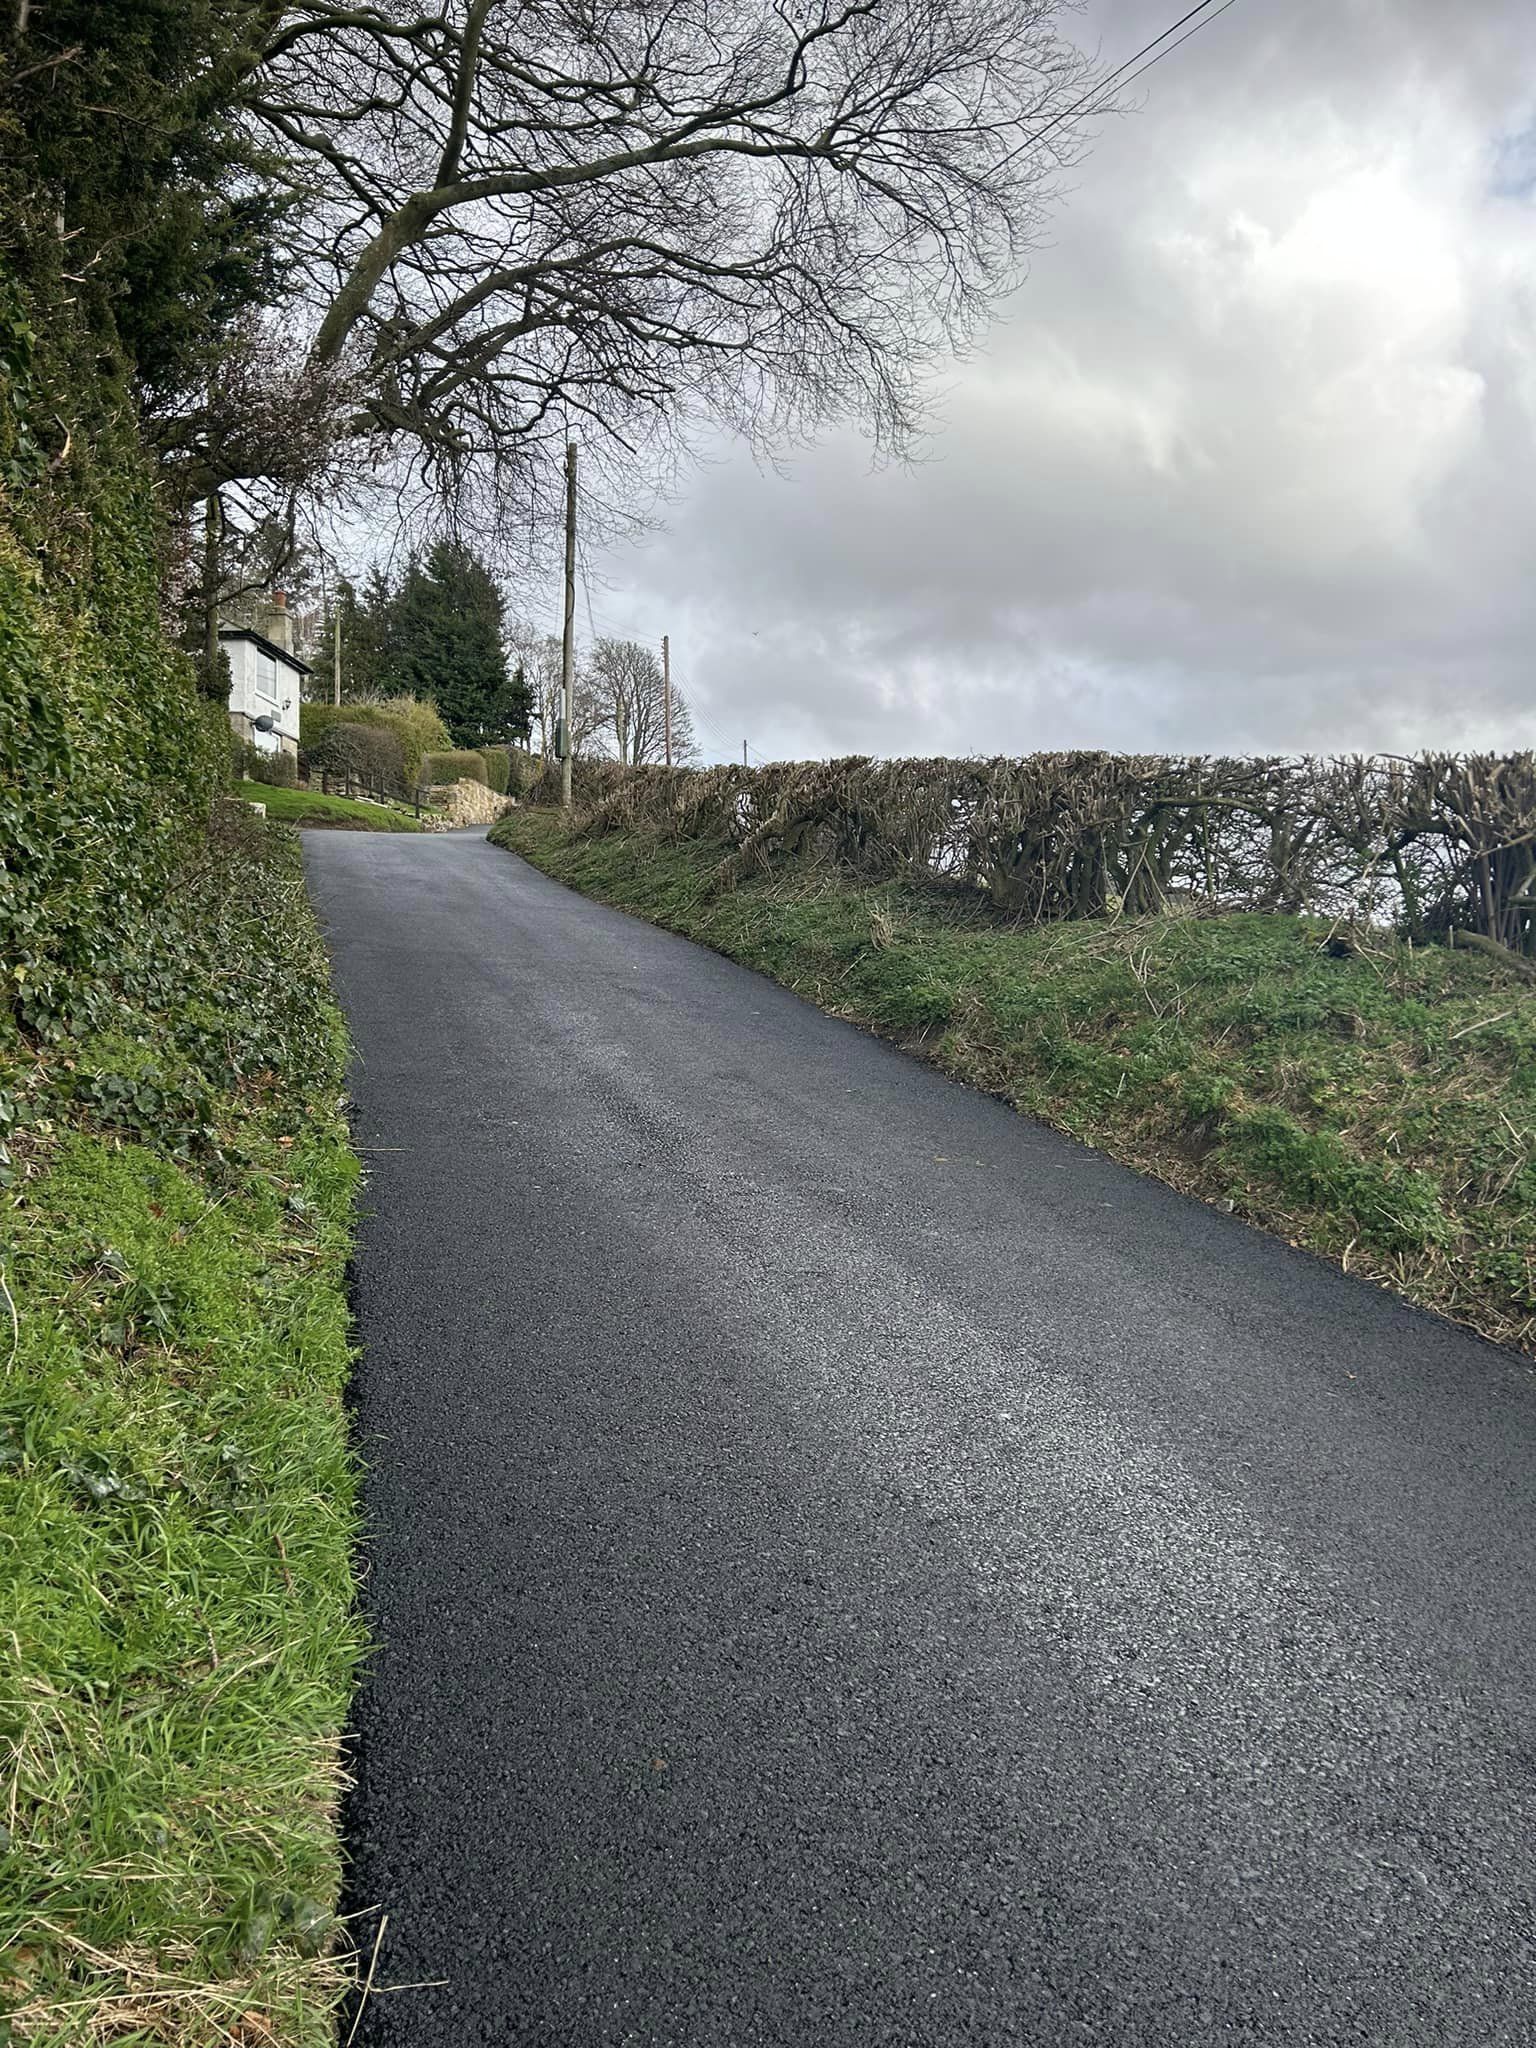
852, 1567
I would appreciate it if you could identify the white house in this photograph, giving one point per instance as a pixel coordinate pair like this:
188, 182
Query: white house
264, 680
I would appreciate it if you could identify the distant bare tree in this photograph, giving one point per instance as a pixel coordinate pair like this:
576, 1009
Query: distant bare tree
539, 654
524, 218
625, 677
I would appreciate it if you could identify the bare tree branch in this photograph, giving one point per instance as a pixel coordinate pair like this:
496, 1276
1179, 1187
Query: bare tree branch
642, 216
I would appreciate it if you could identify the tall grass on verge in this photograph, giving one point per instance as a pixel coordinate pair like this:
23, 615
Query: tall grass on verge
177, 1494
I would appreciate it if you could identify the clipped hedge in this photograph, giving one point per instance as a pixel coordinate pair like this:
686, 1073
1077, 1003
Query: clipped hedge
412, 720
1443, 844
454, 765
498, 767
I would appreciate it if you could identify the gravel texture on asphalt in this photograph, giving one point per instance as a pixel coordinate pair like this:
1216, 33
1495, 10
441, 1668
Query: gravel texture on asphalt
853, 1567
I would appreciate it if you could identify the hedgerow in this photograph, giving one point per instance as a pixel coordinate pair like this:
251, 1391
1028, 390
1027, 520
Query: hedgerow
453, 766
1443, 843
176, 1486
109, 755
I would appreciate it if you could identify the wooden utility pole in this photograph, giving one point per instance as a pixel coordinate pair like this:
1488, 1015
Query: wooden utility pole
336, 656
666, 694
744, 761
568, 641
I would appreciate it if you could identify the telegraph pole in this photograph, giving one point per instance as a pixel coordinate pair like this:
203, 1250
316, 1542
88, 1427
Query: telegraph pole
336, 657
744, 761
666, 694
568, 642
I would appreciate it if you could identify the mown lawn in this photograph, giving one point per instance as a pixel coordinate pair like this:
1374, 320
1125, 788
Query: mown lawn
310, 807
1370, 1100
177, 1493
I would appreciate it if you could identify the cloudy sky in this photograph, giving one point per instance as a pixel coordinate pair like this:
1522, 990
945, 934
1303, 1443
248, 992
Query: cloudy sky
1248, 462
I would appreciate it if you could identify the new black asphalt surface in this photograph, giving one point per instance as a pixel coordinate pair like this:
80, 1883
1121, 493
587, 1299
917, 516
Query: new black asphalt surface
852, 1567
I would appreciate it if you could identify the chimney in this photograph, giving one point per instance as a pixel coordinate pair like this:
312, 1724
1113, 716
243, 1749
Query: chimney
278, 625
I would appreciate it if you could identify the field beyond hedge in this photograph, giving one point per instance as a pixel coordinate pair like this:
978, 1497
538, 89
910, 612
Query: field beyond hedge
1367, 1099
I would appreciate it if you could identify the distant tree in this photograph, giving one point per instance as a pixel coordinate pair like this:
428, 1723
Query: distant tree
539, 656
446, 642
514, 714
626, 678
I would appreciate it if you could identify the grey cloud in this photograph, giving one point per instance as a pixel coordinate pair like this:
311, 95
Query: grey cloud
1245, 463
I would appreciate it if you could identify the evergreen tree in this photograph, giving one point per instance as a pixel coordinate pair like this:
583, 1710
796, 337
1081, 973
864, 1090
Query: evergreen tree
446, 642
368, 665
512, 720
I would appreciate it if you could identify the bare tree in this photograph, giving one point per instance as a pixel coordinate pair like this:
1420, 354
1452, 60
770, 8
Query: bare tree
539, 654
626, 678
523, 218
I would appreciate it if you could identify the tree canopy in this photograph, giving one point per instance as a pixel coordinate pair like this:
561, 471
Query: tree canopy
503, 221
625, 681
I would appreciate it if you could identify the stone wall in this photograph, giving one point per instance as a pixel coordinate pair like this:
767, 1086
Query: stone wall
468, 803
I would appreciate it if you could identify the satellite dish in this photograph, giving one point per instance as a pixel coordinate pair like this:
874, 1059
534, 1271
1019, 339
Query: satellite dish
262, 724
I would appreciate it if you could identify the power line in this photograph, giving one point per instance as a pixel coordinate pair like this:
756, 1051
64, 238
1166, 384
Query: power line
1225, 4
1119, 74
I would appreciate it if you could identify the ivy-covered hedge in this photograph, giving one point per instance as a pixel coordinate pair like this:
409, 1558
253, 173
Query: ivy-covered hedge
176, 1488
109, 752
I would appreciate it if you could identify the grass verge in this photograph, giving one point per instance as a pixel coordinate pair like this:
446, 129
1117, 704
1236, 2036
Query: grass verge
310, 807
177, 1495
1374, 1104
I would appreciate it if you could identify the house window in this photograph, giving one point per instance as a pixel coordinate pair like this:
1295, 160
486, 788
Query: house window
266, 676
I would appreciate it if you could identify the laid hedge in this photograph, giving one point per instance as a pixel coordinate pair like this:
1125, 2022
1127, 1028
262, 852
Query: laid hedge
1441, 844
454, 765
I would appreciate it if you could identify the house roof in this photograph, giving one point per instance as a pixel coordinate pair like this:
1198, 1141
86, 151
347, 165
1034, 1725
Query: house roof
267, 646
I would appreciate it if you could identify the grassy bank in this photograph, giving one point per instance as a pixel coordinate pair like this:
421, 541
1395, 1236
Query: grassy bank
176, 1489
310, 807
1376, 1103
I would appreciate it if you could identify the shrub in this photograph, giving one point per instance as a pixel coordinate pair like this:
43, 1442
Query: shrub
277, 771
413, 721
366, 753
453, 766
498, 767
523, 771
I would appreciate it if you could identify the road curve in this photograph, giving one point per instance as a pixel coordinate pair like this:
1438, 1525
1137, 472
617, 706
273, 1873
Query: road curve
852, 1567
